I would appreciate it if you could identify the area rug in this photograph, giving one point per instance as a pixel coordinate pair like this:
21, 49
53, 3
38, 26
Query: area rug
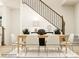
35, 54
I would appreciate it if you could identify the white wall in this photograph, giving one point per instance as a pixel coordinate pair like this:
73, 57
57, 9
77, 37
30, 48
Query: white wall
30, 19
1, 10
15, 24
66, 11
6, 12
11, 23
77, 18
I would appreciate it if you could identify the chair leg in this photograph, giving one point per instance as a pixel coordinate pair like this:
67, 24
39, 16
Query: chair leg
72, 47
18, 49
46, 50
25, 50
12, 47
66, 49
59, 51
38, 50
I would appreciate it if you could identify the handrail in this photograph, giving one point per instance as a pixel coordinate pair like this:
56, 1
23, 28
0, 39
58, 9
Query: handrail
63, 25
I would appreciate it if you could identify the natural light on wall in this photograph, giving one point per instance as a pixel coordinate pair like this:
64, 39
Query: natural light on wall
1, 3
36, 19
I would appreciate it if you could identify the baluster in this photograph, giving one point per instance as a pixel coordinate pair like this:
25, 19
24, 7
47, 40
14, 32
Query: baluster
61, 22
54, 19
22, 1
27, 2
42, 9
47, 14
33, 4
51, 16
36, 4
30, 3
58, 24
45, 11
39, 6
58, 21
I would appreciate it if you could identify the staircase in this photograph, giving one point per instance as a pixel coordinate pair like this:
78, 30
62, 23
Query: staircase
48, 13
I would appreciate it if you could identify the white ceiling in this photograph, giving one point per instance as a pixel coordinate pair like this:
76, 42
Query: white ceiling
70, 2
12, 3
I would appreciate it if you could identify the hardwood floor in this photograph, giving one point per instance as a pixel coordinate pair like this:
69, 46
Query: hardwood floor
7, 49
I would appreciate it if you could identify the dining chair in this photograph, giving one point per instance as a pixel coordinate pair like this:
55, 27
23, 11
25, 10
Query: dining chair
13, 41
73, 41
53, 42
21, 43
69, 41
42, 42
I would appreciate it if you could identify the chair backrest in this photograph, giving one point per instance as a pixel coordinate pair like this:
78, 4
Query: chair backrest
13, 39
41, 32
32, 39
76, 39
53, 39
71, 38
42, 40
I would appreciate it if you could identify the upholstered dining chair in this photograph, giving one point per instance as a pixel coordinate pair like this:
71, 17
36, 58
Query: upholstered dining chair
72, 41
21, 43
42, 41
53, 42
13, 41
69, 41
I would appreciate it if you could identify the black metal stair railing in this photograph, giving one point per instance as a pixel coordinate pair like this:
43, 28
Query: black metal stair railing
48, 13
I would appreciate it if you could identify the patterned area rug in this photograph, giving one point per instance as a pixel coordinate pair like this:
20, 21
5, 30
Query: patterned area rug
34, 54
